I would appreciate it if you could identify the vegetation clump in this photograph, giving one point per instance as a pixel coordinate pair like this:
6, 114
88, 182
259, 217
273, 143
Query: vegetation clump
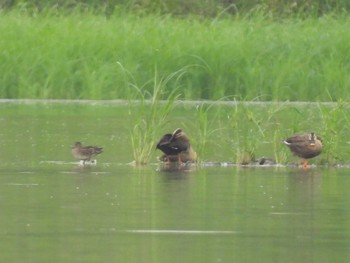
57, 55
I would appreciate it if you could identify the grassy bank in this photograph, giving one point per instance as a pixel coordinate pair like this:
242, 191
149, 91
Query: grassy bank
88, 56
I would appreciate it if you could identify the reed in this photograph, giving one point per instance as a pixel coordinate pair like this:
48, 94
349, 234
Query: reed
245, 132
151, 115
76, 55
82, 54
207, 135
209, 8
335, 125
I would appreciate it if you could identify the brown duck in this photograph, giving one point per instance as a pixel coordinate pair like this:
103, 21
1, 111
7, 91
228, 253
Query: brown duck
85, 153
305, 146
176, 147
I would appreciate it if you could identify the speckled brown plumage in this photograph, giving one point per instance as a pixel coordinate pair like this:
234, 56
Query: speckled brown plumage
305, 146
85, 153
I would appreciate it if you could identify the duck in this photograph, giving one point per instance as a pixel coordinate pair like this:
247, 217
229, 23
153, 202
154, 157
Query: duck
176, 147
305, 146
85, 153
186, 156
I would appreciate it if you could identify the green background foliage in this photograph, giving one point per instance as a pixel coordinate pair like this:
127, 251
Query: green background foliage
226, 49
191, 7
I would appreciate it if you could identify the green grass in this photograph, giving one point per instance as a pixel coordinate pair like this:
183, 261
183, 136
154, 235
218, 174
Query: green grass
208, 8
242, 133
84, 55
150, 115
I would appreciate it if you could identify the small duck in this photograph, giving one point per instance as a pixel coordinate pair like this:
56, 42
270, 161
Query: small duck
176, 147
85, 153
305, 146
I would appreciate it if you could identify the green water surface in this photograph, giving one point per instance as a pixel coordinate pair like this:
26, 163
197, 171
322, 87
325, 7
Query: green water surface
53, 210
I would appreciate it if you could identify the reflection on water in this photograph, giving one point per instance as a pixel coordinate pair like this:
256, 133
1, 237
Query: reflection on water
52, 208
175, 168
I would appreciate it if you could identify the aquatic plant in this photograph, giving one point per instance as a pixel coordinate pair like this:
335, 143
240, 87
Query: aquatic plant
334, 127
245, 133
150, 114
207, 128
276, 123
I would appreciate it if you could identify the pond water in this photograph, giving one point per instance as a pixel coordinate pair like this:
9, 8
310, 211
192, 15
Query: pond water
54, 210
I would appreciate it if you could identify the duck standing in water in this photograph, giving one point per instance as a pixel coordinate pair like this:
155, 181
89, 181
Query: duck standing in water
85, 153
305, 146
176, 147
